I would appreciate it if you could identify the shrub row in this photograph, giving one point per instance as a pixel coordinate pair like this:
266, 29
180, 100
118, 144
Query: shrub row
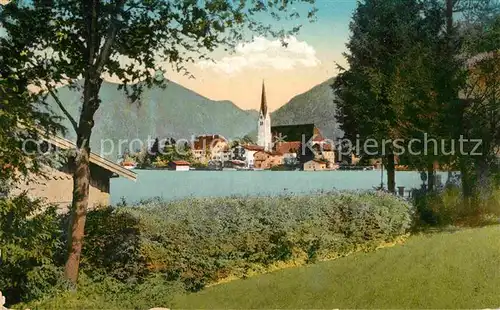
128, 251
448, 207
202, 241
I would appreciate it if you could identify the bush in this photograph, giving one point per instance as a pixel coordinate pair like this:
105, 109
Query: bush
201, 241
448, 207
29, 241
109, 293
112, 245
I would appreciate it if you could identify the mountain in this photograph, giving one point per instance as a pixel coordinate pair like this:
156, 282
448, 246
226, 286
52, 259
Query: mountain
314, 106
171, 112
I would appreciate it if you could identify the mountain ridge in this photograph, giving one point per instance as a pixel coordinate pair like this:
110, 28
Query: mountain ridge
316, 106
175, 111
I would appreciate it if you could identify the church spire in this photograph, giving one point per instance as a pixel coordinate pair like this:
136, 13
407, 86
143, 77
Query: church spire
264, 138
263, 102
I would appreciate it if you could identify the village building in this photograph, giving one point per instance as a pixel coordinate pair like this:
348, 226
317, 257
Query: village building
315, 165
210, 147
290, 150
249, 154
226, 153
55, 184
324, 152
267, 160
179, 165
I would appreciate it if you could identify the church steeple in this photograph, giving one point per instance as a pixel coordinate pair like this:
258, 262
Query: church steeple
263, 101
264, 138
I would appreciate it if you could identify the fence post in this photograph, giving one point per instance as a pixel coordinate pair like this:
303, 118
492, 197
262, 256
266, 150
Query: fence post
401, 191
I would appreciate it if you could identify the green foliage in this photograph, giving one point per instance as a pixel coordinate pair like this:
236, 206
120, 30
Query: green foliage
112, 245
198, 165
202, 241
109, 293
175, 152
29, 242
127, 39
449, 207
281, 168
20, 122
383, 33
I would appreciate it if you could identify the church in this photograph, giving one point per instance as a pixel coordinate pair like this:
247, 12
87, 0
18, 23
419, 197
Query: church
264, 138
280, 142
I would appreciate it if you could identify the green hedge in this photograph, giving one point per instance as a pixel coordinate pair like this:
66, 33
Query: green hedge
202, 241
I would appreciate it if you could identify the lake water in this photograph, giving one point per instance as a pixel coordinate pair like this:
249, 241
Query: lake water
172, 185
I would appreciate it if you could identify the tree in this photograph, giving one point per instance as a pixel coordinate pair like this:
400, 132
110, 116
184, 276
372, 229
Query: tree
154, 151
247, 139
155, 148
21, 122
435, 75
481, 116
425, 86
475, 30
368, 108
128, 39
238, 152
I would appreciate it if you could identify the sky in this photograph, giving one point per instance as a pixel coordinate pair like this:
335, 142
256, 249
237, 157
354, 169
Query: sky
309, 59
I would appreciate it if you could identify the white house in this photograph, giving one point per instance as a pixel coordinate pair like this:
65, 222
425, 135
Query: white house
250, 151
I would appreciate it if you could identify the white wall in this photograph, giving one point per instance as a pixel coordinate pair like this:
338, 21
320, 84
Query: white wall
264, 137
249, 157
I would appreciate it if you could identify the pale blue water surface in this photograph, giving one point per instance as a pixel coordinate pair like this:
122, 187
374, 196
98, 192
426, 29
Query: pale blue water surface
173, 185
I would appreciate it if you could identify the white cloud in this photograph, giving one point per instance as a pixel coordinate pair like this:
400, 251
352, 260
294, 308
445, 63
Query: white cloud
263, 53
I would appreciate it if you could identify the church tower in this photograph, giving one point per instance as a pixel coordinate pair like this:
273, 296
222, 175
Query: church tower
264, 138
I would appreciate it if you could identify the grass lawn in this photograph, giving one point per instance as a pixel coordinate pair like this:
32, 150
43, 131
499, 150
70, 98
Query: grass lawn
442, 270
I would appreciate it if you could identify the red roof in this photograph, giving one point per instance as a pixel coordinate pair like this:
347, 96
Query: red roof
251, 147
181, 163
288, 147
238, 162
272, 153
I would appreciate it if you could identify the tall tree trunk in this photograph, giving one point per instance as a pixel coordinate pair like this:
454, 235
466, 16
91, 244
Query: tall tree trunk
391, 174
81, 179
466, 178
96, 61
483, 176
430, 177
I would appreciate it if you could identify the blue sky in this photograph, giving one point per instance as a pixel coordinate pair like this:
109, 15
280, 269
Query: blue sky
307, 62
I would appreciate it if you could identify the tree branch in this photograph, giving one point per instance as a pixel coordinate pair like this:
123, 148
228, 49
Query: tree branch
110, 38
61, 106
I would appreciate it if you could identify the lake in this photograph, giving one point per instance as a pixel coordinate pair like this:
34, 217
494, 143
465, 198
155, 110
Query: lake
173, 185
